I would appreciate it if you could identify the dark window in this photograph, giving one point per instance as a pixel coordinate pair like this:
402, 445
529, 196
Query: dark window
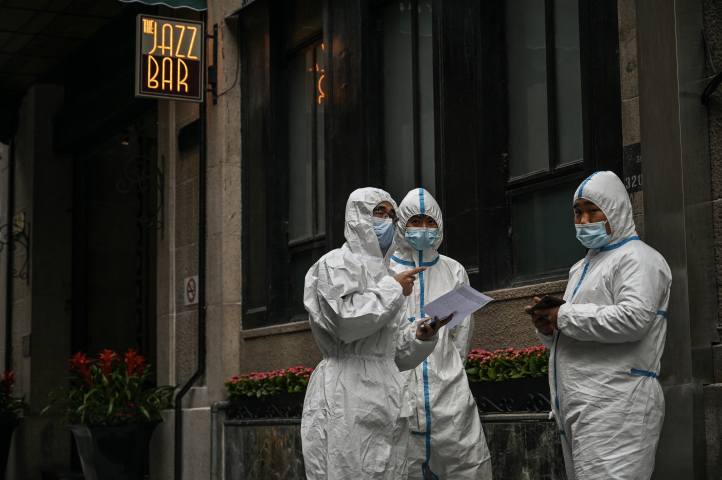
545, 136
548, 114
283, 130
408, 101
306, 139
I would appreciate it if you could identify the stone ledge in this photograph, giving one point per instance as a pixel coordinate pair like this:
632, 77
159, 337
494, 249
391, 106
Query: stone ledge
262, 422
528, 290
515, 417
276, 330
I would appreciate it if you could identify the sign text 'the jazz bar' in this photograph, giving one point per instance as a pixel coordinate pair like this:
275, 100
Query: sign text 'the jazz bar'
169, 58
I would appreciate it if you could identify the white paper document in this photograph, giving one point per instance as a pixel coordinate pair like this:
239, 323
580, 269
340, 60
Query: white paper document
462, 302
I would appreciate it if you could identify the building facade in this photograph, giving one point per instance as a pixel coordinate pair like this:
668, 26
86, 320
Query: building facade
498, 108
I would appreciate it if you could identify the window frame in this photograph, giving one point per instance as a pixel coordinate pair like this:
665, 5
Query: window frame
265, 160
553, 171
555, 174
316, 239
601, 117
380, 6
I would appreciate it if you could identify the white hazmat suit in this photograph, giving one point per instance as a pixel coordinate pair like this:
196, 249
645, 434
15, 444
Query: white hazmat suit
605, 358
446, 432
355, 415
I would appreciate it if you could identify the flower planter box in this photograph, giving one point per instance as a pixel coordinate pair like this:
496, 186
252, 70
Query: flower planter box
530, 394
113, 453
282, 405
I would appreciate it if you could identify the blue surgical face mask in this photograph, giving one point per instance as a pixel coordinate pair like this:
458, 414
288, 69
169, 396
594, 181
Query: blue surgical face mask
384, 230
593, 235
421, 238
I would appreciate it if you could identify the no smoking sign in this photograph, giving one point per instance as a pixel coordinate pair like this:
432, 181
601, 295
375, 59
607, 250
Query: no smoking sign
190, 291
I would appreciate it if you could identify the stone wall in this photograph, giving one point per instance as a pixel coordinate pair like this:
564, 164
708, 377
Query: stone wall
522, 446
178, 253
631, 139
713, 29
501, 324
712, 14
524, 449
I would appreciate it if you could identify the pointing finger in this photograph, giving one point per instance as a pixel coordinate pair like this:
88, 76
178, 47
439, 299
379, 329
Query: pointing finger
415, 271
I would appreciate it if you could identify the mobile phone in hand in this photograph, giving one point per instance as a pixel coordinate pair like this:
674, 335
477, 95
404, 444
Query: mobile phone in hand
547, 302
431, 324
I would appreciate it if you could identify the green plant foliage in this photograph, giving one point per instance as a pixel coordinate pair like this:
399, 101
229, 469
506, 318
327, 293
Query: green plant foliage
483, 366
10, 407
108, 391
289, 380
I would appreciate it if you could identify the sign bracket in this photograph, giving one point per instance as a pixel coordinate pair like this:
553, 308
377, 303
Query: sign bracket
213, 69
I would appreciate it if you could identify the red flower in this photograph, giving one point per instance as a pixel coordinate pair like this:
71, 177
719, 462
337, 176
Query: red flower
80, 363
134, 363
107, 358
128, 415
132, 405
8, 382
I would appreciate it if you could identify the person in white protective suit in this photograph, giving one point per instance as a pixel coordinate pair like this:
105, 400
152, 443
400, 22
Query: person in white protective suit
607, 340
446, 437
355, 415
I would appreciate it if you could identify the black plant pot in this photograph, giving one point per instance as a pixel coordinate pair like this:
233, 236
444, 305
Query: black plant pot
6, 436
281, 405
529, 394
113, 453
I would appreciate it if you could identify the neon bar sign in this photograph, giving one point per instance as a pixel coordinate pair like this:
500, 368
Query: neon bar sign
169, 59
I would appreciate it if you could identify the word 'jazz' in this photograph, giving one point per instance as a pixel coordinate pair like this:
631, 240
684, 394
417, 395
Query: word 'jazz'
172, 60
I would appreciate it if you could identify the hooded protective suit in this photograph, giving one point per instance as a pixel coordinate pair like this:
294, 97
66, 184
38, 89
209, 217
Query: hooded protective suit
446, 431
605, 358
355, 415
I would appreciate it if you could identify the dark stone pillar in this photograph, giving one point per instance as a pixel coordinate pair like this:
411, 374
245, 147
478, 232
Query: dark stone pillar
678, 218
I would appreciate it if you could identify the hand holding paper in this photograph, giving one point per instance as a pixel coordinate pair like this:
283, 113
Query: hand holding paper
461, 302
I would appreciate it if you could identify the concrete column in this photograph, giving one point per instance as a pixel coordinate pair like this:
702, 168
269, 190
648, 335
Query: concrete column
178, 254
41, 316
678, 218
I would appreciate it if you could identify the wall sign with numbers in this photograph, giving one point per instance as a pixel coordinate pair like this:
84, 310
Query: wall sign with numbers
169, 59
633, 168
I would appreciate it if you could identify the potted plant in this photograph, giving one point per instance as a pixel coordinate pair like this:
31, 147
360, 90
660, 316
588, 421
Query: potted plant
268, 394
10, 410
112, 409
510, 380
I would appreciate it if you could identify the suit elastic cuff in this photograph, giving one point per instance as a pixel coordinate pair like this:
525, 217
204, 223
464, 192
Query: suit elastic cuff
563, 317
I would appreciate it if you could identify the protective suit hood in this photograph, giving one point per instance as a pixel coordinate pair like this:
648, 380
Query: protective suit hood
359, 229
418, 202
607, 191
